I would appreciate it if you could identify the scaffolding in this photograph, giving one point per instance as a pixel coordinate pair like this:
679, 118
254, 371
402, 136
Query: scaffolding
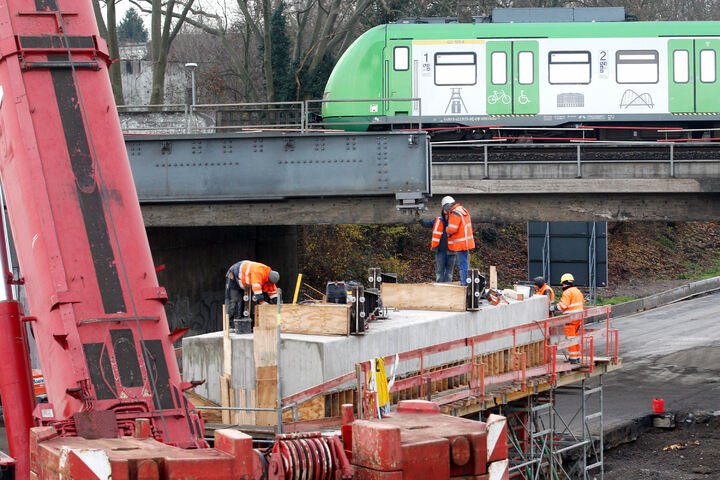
547, 442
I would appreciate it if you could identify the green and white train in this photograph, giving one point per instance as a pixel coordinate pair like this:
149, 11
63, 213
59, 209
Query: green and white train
529, 75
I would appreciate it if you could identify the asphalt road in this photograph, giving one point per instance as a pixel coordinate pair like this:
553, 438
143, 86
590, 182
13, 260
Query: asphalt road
673, 353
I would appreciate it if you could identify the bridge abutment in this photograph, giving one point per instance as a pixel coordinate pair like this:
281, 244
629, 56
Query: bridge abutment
196, 260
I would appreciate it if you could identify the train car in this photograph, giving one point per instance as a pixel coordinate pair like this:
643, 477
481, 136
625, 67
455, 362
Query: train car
528, 75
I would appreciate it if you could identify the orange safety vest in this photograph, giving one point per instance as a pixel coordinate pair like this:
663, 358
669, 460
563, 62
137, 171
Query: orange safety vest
437, 233
544, 288
256, 274
459, 229
572, 300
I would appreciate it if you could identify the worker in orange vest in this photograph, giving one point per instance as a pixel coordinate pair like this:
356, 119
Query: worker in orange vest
572, 300
544, 289
259, 278
460, 234
444, 258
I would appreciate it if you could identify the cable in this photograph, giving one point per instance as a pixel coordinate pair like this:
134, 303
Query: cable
106, 201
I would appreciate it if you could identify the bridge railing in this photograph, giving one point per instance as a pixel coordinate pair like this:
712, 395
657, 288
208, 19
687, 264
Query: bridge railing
579, 158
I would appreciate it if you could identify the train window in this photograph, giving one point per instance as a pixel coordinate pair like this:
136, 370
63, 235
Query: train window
526, 68
455, 68
569, 68
707, 66
636, 66
681, 66
498, 61
401, 58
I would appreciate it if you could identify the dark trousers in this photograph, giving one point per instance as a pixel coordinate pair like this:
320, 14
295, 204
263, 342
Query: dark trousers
444, 264
462, 262
233, 299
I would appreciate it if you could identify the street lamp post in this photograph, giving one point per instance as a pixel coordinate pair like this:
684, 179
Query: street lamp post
192, 67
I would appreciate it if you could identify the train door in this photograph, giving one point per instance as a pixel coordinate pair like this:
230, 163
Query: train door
512, 78
694, 71
499, 78
398, 81
526, 94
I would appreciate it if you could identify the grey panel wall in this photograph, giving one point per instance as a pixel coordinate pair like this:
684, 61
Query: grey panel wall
569, 251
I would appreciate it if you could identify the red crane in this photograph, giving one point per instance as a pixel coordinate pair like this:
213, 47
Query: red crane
97, 310
116, 407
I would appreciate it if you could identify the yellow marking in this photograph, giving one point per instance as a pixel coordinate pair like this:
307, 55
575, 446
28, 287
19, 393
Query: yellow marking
456, 41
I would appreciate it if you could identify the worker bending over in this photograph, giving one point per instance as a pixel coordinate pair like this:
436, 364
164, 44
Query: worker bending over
460, 234
572, 300
444, 258
259, 278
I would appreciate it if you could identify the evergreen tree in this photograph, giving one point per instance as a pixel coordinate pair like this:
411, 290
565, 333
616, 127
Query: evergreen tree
283, 81
131, 28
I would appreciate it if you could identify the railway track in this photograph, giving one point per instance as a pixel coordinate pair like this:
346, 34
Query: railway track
659, 152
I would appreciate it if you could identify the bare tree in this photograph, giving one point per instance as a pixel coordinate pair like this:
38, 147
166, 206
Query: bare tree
165, 23
109, 33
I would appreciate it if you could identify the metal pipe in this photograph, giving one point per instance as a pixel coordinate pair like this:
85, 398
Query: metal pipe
16, 388
4, 257
279, 344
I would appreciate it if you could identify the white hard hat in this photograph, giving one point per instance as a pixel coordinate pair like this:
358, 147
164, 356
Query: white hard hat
447, 200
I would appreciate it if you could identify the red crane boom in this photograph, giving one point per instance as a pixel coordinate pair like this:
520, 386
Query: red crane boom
97, 310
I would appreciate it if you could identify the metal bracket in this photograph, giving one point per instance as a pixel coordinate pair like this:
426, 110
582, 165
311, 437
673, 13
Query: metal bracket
411, 201
358, 317
475, 289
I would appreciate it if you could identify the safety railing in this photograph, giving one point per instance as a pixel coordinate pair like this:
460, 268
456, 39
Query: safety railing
479, 380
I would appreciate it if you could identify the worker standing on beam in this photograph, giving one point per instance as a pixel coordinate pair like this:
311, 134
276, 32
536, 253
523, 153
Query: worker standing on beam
259, 278
572, 300
444, 258
460, 234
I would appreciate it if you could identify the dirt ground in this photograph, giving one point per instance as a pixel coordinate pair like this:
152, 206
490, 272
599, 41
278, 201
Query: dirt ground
690, 451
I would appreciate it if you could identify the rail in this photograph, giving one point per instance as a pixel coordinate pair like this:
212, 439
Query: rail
578, 155
519, 374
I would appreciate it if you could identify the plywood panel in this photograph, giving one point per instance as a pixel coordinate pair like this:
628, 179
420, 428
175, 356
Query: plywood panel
312, 409
309, 319
424, 296
265, 347
210, 416
266, 394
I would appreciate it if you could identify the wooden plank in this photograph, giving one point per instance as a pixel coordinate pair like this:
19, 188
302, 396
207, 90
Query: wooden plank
233, 402
493, 277
310, 319
266, 394
253, 401
225, 398
242, 418
424, 296
265, 347
227, 344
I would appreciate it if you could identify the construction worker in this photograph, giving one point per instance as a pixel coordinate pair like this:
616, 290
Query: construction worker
572, 300
543, 288
259, 278
460, 234
444, 258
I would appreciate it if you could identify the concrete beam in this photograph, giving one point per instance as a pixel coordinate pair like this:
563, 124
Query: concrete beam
578, 185
554, 205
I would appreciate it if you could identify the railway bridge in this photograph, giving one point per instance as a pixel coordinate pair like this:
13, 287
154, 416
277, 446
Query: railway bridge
209, 200
335, 178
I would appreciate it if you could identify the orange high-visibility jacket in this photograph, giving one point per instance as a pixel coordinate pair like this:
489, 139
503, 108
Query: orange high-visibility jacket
437, 233
459, 229
546, 288
256, 274
572, 300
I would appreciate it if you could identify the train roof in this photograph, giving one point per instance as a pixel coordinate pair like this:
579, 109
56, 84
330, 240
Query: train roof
550, 30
